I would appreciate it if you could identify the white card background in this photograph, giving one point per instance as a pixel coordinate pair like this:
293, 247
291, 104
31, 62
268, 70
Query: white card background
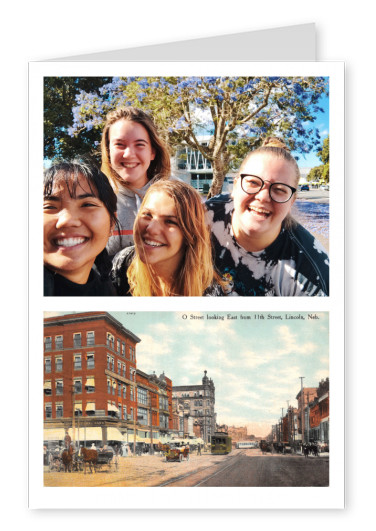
330, 497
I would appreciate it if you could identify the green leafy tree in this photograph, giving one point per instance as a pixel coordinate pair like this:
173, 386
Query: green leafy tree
235, 111
321, 172
59, 98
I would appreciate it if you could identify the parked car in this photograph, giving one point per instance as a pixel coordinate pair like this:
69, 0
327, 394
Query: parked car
304, 187
325, 187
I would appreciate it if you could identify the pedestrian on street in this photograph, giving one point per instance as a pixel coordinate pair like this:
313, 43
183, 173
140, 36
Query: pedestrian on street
67, 439
199, 449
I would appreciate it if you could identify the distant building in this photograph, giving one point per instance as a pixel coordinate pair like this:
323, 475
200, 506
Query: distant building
196, 404
189, 165
238, 434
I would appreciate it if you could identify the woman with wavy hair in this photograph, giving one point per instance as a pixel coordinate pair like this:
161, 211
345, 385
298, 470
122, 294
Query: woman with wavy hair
134, 156
259, 248
172, 255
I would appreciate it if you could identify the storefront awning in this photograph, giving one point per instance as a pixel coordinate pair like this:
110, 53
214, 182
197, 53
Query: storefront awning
90, 406
86, 434
53, 434
111, 407
90, 382
47, 385
113, 434
78, 407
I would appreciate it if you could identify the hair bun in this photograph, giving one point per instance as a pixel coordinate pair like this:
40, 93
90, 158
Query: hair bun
273, 141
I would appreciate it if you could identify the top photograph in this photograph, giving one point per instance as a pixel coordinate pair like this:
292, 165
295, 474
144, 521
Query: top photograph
186, 186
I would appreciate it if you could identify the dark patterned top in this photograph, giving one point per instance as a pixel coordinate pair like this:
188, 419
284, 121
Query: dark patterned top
122, 261
295, 264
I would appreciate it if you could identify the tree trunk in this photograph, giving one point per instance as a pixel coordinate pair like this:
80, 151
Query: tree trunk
220, 168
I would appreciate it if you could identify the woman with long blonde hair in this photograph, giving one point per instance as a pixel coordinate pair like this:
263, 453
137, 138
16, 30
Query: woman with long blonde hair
172, 255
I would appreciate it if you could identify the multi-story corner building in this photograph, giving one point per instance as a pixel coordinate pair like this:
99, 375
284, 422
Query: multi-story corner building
197, 404
91, 384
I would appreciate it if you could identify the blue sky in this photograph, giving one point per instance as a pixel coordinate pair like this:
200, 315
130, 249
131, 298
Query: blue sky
255, 363
310, 160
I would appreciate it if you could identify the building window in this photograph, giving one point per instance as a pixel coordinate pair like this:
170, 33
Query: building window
124, 391
123, 348
59, 410
90, 338
109, 386
59, 364
77, 339
142, 396
108, 362
119, 367
47, 364
90, 364
124, 370
132, 394
48, 410
120, 410
48, 343
125, 412
77, 386
142, 415
110, 340
119, 390
90, 385
131, 415
58, 342
59, 387
113, 387
77, 362
118, 345
47, 388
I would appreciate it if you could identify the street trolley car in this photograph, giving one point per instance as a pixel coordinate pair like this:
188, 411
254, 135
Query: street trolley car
220, 443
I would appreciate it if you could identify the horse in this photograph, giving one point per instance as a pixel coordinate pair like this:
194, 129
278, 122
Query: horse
67, 458
89, 457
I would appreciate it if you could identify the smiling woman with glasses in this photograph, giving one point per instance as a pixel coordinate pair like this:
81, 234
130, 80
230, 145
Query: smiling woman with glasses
259, 248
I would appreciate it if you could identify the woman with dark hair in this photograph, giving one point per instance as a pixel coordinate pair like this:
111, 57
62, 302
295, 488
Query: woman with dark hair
79, 213
134, 157
259, 248
172, 254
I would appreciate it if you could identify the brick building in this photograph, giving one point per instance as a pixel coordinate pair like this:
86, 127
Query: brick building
92, 386
319, 414
195, 407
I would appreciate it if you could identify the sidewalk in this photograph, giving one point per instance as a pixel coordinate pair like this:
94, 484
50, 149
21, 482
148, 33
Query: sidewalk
136, 471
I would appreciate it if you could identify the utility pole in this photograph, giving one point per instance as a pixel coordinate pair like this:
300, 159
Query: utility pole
282, 426
302, 406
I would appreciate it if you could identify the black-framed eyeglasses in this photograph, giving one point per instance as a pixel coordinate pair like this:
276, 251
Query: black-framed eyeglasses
278, 192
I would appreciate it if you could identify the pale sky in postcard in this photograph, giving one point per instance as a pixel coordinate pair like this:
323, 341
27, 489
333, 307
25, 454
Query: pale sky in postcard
255, 363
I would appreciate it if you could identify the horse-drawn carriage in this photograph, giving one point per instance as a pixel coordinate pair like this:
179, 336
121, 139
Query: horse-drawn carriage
176, 453
106, 457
